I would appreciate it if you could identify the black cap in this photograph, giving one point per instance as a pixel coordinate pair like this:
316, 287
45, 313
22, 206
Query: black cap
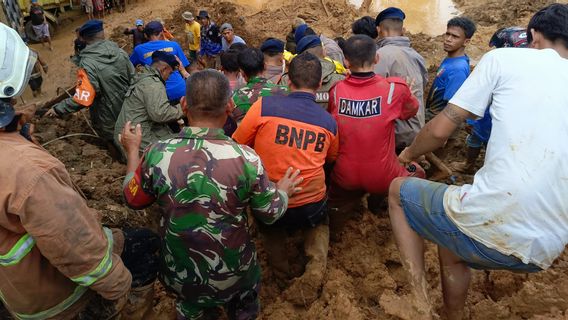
390, 13
272, 45
165, 57
91, 28
203, 14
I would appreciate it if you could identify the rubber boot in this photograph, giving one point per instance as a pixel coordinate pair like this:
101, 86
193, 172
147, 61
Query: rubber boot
305, 289
274, 240
140, 302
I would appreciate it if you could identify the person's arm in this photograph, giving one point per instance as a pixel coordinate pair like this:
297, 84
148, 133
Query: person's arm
410, 104
470, 101
333, 150
197, 36
383, 67
135, 188
246, 132
159, 108
128, 31
85, 94
68, 234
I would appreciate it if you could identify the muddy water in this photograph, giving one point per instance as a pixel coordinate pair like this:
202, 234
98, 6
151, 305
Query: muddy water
428, 16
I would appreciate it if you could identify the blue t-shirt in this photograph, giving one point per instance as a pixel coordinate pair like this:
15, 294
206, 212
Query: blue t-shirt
449, 78
142, 54
225, 45
481, 128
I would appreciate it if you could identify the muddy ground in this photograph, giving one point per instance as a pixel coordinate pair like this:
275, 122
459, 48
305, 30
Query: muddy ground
364, 278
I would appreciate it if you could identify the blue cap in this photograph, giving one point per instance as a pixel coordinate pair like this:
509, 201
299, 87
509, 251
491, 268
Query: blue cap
299, 33
139, 22
7, 114
273, 45
165, 57
308, 42
90, 28
390, 13
153, 27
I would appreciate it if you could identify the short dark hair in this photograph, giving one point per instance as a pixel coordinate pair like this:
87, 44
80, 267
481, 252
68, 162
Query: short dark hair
465, 24
340, 42
251, 61
360, 50
239, 46
552, 22
366, 26
230, 60
305, 71
207, 93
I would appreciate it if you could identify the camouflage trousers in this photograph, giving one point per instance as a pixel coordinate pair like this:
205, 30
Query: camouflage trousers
240, 301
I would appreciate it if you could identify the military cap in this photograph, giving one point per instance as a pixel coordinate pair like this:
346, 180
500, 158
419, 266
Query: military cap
165, 57
273, 45
390, 13
308, 42
299, 33
90, 28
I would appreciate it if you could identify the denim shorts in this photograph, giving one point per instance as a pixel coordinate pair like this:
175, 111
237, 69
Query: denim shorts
423, 204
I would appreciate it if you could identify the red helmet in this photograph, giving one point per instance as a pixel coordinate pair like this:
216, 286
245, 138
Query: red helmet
509, 37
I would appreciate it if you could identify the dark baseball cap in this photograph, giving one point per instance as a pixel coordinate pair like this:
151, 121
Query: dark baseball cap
390, 13
153, 27
273, 45
165, 57
203, 14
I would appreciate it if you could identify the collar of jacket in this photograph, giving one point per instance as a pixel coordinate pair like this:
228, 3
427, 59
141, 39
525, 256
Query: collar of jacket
154, 72
256, 79
394, 41
203, 133
302, 95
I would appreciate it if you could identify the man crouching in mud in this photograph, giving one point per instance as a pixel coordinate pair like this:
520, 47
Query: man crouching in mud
515, 214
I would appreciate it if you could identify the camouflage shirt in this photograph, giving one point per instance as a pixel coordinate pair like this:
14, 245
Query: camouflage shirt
203, 180
247, 95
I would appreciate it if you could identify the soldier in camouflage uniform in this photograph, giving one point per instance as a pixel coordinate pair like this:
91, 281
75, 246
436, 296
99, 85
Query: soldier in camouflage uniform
204, 180
251, 62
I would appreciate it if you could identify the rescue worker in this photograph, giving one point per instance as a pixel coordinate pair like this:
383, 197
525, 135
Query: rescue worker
251, 63
137, 33
454, 69
229, 37
142, 55
295, 131
329, 76
367, 161
146, 102
204, 180
274, 64
55, 255
103, 78
210, 41
398, 59
192, 35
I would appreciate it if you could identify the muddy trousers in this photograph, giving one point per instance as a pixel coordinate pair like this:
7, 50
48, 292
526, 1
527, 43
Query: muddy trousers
312, 218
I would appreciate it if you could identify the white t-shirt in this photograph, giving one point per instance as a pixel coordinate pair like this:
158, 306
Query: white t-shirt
518, 202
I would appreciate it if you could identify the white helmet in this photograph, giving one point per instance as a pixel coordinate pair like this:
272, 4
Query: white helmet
16, 63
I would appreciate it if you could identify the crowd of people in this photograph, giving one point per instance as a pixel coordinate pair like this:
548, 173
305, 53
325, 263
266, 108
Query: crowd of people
292, 135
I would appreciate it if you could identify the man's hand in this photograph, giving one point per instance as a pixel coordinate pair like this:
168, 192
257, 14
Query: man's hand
181, 68
131, 137
405, 157
51, 113
289, 182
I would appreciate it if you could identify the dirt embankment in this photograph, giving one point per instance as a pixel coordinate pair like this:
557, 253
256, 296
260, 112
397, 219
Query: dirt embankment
364, 274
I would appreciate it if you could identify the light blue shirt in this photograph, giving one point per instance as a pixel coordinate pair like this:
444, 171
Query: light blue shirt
226, 45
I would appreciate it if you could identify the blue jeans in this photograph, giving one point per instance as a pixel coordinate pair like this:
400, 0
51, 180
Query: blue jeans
423, 205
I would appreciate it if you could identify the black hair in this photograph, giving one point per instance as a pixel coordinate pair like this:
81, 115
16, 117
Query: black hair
552, 22
230, 60
366, 26
251, 61
207, 93
305, 71
360, 50
465, 24
239, 46
340, 42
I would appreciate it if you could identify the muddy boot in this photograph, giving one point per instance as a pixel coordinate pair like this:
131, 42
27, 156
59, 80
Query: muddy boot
305, 289
140, 302
274, 240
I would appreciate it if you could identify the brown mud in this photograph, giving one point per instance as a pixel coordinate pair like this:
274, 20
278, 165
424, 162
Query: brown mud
364, 277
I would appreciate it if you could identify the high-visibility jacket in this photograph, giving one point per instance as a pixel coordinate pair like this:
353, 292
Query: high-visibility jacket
53, 250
